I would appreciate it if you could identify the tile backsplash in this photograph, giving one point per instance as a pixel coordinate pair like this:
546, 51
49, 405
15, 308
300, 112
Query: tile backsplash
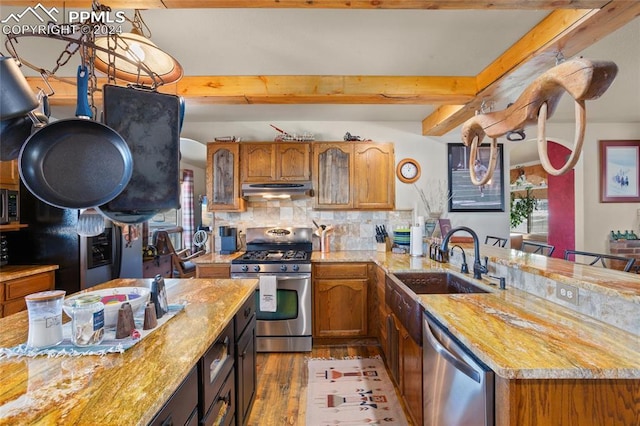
353, 229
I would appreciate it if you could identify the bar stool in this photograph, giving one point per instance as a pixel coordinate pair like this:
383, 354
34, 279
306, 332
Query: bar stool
627, 261
538, 248
495, 241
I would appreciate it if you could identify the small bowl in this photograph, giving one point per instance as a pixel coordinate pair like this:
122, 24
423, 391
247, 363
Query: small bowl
113, 298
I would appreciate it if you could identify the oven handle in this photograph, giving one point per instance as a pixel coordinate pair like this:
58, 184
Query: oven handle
280, 277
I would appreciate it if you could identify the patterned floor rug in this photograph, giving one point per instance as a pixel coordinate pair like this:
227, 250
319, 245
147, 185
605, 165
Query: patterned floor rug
351, 392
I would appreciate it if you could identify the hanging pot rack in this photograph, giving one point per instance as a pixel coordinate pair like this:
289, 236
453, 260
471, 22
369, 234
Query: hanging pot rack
582, 78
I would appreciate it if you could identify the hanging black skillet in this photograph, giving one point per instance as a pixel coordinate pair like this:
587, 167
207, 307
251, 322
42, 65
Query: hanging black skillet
76, 163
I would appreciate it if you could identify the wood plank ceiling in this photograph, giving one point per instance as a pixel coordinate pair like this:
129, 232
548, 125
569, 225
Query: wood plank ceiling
570, 27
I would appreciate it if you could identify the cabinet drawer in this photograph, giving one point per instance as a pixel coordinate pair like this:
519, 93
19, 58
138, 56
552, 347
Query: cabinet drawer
215, 366
21, 287
223, 409
341, 270
213, 271
179, 409
245, 315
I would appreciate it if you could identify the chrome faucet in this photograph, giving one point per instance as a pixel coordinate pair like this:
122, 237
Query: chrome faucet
478, 267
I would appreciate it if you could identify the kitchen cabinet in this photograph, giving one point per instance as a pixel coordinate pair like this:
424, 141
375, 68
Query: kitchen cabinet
182, 407
217, 381
404, 344
275, 161
158, 265
213, 270
340, 299
223, 177
9, 175
354, 175
245, 350
12, 291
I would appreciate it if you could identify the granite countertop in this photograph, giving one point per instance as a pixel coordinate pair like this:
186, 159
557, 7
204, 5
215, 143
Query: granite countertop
520, 335
11, 272
215, 258
128, 388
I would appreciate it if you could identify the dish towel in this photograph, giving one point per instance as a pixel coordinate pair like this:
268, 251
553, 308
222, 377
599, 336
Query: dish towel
268, 288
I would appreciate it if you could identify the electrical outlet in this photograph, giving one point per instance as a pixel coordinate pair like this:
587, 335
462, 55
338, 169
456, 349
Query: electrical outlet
567, 292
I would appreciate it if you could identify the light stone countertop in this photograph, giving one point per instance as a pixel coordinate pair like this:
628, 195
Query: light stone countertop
118, 389
11, 272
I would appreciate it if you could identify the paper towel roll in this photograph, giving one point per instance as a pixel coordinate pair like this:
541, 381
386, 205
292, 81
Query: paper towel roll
415, 247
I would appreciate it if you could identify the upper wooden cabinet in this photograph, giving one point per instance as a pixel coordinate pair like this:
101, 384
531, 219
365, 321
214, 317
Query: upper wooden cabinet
275, 161
9, 176
354, 175
223, 185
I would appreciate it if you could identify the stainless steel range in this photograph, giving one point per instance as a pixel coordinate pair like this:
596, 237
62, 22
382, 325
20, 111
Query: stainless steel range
283, 255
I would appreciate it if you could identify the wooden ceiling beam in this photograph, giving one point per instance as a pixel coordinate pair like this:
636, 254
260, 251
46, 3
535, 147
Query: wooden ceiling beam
323, 4
565, 31
302, 89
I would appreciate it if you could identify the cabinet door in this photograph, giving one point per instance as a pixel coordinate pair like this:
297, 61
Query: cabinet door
293, 161
246, 379
9, 176
223, 172
374, 176
340, 308
258, 162
213, 270
333, 175
411, 375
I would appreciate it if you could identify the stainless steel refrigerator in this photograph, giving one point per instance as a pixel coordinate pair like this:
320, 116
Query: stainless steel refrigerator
50, 238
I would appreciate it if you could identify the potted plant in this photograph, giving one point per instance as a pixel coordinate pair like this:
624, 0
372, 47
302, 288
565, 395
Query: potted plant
521, 208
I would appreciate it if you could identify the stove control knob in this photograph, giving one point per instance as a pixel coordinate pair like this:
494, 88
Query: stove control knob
256, 268
283, 268
296, 268
245, 268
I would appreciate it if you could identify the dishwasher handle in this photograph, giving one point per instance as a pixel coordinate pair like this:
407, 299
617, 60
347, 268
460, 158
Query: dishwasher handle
459, 364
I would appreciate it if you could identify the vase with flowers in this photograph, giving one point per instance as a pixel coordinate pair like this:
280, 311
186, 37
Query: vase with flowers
435, 200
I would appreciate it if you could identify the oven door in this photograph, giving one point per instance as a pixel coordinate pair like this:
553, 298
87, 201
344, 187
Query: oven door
293, 308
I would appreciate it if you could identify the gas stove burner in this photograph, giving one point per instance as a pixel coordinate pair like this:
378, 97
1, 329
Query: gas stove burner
264, 256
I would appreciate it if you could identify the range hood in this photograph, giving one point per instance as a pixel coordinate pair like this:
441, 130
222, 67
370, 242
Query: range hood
275, 190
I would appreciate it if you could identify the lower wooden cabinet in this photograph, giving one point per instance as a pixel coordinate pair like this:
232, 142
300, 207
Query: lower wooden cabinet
182, 407
16, 289
245, 350
340, 304
213, 270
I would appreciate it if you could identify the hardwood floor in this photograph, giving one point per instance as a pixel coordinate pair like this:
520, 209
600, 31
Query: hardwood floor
281, 395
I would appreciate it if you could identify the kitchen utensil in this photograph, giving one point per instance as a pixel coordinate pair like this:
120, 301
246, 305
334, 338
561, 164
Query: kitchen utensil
90, 223
149, 122
76, 163
15, 131
16, 97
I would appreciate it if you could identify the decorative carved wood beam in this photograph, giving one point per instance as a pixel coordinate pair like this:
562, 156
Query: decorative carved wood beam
565, 31
302, 89
323, 4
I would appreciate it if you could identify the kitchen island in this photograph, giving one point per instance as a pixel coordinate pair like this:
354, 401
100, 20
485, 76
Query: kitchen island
128, 388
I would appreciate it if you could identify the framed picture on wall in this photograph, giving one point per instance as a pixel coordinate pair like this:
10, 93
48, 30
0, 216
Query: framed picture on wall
467, 197
620, 171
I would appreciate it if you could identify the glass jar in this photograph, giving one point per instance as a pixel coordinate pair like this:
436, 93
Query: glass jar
45, 318
87, 321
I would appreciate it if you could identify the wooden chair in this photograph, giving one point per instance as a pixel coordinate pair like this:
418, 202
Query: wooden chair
495, 241
538, 248
615, 262
181, 259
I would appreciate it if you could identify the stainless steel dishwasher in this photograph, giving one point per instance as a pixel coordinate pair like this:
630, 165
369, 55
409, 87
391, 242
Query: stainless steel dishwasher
458, 389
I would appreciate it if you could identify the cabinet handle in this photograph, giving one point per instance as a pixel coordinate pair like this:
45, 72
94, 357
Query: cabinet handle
247, 312
168, 422
244, 353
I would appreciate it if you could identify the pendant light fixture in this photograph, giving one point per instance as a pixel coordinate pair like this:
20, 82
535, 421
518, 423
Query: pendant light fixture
140, 52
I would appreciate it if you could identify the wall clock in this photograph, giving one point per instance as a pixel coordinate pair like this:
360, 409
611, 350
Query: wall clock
408, 170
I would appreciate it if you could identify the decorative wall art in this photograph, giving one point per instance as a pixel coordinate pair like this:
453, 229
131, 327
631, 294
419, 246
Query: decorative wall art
464, 195
620, 171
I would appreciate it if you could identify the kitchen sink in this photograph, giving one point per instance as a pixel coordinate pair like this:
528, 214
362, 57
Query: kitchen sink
436, 283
